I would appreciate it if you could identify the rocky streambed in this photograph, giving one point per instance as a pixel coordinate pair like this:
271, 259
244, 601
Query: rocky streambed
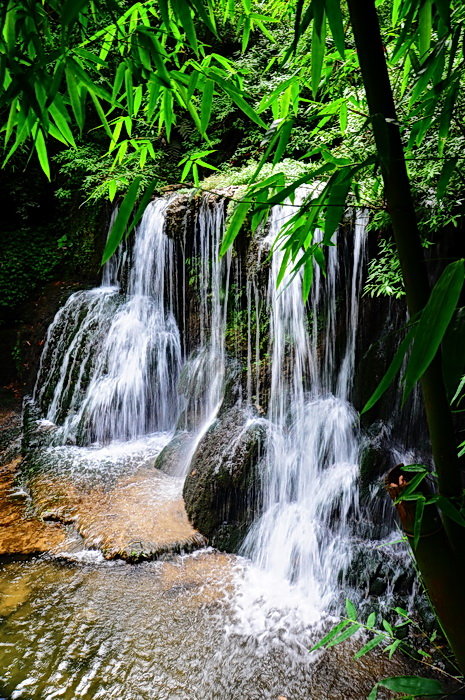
78, 620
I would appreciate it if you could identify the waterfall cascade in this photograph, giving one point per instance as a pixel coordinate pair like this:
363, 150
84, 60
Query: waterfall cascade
111, 361
114, 367
310, 474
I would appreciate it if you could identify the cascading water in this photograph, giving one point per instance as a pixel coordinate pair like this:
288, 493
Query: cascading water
114, 371
311, 467
203, 377
111, 361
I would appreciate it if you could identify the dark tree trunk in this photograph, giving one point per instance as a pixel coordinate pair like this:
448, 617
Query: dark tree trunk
399, 200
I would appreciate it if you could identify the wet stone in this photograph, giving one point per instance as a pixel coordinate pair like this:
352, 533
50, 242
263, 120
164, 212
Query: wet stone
139, 516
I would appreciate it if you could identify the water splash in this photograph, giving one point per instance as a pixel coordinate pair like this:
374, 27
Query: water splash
310, 493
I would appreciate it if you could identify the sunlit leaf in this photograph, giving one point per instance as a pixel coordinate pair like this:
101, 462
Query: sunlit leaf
121, 221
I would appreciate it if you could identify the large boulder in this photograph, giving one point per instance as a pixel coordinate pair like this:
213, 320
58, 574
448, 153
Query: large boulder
222, 486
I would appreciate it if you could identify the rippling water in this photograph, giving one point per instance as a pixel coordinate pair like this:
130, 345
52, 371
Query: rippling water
172, 630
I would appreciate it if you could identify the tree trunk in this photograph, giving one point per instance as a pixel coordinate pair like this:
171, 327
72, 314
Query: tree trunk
400, 205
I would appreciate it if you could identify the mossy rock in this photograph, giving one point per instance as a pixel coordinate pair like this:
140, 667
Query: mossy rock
222, 486
173, 457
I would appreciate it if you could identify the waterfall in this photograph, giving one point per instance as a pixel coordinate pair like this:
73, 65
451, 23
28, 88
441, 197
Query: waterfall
203, 376
111, 361
311, 467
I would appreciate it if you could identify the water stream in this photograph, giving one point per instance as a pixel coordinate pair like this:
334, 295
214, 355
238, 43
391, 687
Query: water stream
115, 382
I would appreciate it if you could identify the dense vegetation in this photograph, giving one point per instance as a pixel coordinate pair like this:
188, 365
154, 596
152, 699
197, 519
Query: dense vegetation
117, 99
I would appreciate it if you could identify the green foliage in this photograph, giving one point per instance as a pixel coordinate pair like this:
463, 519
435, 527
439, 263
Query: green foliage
27, 259
384, 274
426, 334
389, 637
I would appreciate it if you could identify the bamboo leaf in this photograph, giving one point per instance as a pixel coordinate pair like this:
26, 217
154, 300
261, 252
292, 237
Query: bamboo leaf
318, 53
444, 178
338, 189
71, 9
371, 620
413, 685
331, 634
450, 510
236, 97
41, 150
146, 197
74, 94
433, 323
369, 646
183, 11
446, 115
351, 610
391, 373
392, 647
334, 14
417, 523
206, 105
344, 635
120, 224
284, 135
237, 219
60, 117
425, 25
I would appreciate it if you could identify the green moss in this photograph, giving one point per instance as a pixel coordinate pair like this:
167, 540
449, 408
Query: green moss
292, 169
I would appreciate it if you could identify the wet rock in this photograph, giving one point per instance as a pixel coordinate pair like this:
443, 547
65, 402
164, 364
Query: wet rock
139, 517
37, 432
222, 486
376, 569
173, 457
20, 532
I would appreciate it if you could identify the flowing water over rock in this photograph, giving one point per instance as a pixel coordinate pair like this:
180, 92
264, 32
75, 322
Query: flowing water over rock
119, 389
310, 474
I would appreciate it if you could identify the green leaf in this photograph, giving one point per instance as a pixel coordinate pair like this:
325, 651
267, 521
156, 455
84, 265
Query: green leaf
318, 53
373, 693
334, 14
392, 647
71, 9
351, 610
391, 372
412, 486
425, 25
60, 117
413, 685
146, 197
417, 523
74, 94
233, 93
331, 634
284, 135
369, 646
338, 189
183, 11
433, 322
447, 113
206, 105
371, 620
450, 510
307, 279
237, 219
120, 224
344, 635
41, 149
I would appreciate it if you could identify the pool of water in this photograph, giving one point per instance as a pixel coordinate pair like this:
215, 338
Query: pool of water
184, 629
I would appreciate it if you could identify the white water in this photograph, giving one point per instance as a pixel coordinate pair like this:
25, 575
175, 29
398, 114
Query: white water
110, 374
111, 361
301, 544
